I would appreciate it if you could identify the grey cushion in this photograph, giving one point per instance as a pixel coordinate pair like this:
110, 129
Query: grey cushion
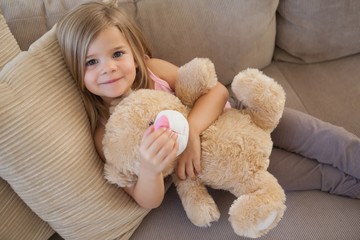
314, 31
310, 215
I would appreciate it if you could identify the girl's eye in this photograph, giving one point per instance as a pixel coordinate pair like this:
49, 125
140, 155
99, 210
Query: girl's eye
118, 54
91, 62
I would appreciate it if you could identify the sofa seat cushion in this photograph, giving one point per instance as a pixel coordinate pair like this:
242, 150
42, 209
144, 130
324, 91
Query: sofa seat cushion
328, 90
47, 153
309, 215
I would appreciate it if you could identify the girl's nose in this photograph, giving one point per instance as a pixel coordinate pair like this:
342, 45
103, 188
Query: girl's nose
109, 66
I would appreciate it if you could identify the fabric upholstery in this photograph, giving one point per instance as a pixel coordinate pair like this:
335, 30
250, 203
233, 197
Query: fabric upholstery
8, 45
252, 24
40, 15
47, 153
292, 100
21, 222
310, 215
328, 90
315, 31
182, 29
17, 220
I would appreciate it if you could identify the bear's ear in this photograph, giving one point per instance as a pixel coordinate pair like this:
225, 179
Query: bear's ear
120, 177
195, 78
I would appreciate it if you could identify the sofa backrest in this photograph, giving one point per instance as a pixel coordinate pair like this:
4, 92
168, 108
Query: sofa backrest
29, 20
233, 34
316, 31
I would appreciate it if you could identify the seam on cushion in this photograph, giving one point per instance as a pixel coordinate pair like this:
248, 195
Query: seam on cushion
14, 20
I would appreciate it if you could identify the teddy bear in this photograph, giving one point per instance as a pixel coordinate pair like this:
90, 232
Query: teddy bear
235, 149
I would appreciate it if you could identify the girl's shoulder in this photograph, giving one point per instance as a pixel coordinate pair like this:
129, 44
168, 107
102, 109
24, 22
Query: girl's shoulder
164, 70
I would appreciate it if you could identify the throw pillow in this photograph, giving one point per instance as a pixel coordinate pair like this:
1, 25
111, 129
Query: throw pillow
47, 153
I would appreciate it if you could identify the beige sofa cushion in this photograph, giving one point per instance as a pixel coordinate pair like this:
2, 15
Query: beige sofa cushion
17, 219
47, 153
177, 29
314, 31
180, 30
40, 15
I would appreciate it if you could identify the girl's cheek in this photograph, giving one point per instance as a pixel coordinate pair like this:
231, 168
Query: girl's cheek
87, 81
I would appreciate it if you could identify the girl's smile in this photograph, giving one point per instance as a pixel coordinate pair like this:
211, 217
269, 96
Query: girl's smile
111, 81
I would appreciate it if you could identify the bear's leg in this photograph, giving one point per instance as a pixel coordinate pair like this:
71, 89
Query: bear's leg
197, 202
259, 207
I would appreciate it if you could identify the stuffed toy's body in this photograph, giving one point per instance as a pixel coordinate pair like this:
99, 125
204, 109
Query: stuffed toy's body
235, 149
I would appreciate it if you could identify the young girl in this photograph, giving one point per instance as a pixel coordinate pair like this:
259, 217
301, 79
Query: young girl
108, 56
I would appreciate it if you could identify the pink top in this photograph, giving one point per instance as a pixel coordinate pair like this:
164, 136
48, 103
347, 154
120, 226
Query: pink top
162, 85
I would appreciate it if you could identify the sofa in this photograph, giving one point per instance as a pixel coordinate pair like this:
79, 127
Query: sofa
52, 184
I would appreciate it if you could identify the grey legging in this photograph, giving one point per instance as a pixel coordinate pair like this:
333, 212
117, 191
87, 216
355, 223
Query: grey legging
312, 154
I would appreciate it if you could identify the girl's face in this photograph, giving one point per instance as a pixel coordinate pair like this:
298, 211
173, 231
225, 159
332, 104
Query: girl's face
110, 67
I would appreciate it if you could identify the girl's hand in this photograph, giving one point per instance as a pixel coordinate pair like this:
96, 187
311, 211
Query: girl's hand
158, 149
189, 161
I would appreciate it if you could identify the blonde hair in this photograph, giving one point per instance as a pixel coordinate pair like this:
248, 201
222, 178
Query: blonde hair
77, 29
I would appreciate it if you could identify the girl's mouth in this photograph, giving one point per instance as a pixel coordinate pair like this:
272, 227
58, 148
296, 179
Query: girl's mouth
112, 81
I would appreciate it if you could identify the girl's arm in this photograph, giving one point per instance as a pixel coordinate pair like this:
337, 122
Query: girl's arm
158, 149
204, 112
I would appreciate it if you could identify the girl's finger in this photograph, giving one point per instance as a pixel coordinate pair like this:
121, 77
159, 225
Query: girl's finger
157, 145
181, 169
150, 136
172, 155
190, 168
168, 142
197, 165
